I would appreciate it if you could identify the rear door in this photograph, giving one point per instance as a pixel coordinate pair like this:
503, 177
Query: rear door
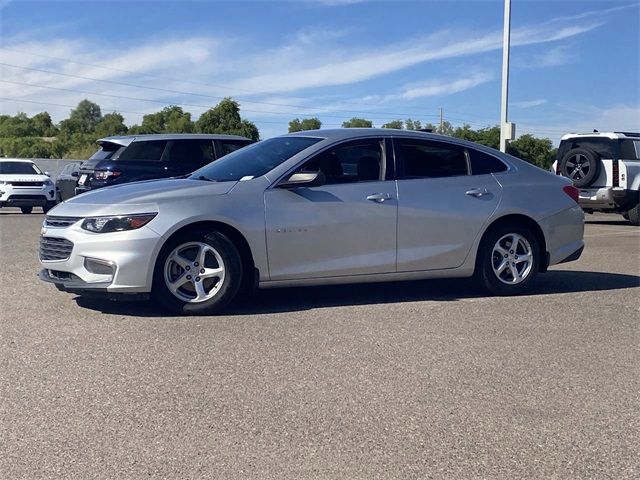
346, 226
442, 206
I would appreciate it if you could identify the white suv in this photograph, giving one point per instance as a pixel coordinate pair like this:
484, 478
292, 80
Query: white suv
606, 169
22, 184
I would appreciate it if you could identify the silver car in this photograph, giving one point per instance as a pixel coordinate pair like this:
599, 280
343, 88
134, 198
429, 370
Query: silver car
317, 207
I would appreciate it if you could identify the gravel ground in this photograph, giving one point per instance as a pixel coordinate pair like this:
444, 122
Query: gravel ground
424, 379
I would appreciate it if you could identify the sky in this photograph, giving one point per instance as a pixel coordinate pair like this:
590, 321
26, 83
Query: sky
575, 65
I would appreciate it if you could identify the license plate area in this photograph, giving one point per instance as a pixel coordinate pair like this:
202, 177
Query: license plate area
82, 179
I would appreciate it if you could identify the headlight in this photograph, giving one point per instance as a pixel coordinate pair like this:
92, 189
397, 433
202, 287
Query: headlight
117, 223
48, 183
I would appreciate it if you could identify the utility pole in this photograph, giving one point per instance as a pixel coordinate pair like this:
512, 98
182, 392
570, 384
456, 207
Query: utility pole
441, 120
507, 131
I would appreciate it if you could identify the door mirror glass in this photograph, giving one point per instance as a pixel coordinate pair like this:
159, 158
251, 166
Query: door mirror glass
75, 174
303, 179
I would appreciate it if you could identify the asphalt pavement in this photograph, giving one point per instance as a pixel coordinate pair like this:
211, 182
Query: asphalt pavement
428, 379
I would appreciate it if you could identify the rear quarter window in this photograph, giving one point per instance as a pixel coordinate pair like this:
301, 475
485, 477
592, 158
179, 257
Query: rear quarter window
604, 147
150, 151
484, 164
630, 149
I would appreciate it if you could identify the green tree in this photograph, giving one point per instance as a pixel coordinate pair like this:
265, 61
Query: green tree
538, 151
225, 118
489, 136
357, 123
25, 147
43, 126
170, 119
410, 124
111, 124
397, 124
19, 125
83, 119
297, 125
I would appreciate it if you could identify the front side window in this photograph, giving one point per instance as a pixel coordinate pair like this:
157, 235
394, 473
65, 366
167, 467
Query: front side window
423, 159
190, 151
351, 163
255, 160
150, 151
19, 168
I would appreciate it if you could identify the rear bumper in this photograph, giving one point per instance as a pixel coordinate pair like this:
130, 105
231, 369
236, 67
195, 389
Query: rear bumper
564, 235
608, 198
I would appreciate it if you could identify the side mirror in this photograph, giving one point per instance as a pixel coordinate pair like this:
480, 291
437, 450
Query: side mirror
306, 179
47, 174
75, 174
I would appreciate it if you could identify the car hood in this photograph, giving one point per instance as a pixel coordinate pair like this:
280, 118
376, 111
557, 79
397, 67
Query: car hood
139, 197
22, 177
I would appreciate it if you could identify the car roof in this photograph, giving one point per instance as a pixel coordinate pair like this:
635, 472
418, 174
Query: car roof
354, 133
125, 140
16, 160
609, 135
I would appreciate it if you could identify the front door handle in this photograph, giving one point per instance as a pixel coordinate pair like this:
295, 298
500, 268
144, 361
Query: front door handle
478, 192
379, 197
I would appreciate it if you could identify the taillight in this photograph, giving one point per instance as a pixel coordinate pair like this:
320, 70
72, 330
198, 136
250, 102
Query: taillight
616, 173
572, 191
106, 174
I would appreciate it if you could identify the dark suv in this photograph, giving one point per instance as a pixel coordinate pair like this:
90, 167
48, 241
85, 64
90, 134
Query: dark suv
145, 157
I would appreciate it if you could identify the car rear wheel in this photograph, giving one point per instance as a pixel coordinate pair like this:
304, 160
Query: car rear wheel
508, 260
197, 274
26, 209
581, 166
633, 215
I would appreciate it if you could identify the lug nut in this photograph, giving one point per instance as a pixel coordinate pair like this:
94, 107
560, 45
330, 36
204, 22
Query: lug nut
195, 264
202, 270
197, 279
506, 256
187, 267
511, 252
188, 277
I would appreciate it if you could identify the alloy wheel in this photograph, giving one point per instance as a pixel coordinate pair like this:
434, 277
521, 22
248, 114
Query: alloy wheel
578, 166
512, 259
194, 272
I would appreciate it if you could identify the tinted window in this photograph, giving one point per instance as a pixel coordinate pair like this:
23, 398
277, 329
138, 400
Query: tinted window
66, 170
190, 151
432, 159
254, 160
19, 168
229, 147
483, 164
147, 151
361, 162
604, 147
630, 149
107, 150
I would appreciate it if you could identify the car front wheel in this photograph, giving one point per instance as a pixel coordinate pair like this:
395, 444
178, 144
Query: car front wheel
26, 210
197, 274
509, 259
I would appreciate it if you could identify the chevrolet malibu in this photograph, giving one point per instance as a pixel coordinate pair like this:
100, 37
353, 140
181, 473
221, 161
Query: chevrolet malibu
317, 207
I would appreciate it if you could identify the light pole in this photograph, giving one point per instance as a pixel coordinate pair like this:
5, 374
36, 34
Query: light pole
507, 130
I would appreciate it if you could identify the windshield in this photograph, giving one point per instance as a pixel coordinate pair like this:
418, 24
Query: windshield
107, 150
254, 160
19, 168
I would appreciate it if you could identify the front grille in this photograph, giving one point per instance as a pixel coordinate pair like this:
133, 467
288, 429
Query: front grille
26, 184
52, 248
26, 197
51, 221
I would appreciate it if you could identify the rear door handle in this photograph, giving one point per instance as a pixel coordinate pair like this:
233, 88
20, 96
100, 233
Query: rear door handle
379, 197
478, 192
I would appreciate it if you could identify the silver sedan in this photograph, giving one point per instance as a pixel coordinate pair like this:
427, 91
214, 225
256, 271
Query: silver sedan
317, 207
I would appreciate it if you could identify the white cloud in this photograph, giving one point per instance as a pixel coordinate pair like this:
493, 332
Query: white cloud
553, 57
529, 103
446, 86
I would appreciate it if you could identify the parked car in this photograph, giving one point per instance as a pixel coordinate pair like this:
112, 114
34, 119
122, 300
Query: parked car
66, 181
317, 207
145, 157
24, 185
605, 166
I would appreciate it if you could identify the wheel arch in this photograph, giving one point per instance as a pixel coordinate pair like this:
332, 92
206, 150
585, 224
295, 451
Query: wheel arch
250, 273
523, 220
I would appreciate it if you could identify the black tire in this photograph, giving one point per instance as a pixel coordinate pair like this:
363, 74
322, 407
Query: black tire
486, 259
226, 292
26, 210
633, 215
48, 207
625, 215
580, 165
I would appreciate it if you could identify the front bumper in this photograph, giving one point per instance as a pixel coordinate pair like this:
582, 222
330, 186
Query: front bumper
15, 196
131, 256
608, 198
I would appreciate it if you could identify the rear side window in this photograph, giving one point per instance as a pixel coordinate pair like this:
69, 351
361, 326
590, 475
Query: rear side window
484, 164
146, 151
108, 150
228, 147
190, 151
432, 159
630, 149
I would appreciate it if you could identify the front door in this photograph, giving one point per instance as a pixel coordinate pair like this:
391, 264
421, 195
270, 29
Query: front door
346, 226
